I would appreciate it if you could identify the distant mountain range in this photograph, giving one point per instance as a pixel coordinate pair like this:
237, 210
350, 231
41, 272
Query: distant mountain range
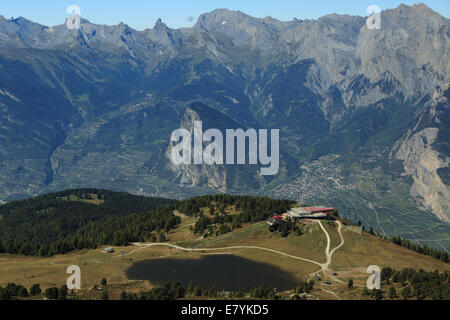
364, 115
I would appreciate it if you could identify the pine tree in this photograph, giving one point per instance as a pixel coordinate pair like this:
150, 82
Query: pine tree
190, 288
51, 293
392, 293
365, 292
406, 292
377, 294
62, 292
123, 295
104, 295
350, 284
197, 291
35, 290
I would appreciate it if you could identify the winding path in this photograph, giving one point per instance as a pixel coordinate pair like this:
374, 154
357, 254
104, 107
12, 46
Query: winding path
328, 253
224, 248
323, 266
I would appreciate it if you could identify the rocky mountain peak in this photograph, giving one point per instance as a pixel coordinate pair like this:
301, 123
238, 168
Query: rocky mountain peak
219, 15
419, 8
159, 25
219, 19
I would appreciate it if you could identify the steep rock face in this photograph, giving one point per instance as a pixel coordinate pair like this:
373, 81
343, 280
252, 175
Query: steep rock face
214, 176
223, 178
421, 162
425, 152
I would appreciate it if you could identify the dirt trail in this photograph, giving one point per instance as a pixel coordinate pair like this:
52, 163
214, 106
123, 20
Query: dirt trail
328, 253
225, 248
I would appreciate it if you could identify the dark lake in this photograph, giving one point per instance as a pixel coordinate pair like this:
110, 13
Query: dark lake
226, 272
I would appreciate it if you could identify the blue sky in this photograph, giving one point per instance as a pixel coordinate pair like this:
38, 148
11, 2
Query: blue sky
141, 14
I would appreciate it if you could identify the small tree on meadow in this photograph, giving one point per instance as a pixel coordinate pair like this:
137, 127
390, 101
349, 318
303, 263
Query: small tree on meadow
350, 284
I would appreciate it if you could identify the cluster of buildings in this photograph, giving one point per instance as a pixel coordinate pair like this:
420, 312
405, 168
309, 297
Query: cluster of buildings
318, 212
310, 212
